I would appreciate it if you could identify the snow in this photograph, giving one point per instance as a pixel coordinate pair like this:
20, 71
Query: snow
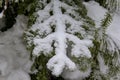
103, 67
96, 12
1, 14
76, 74
113, 31
60, 63
43, 24
14, 58
18, 75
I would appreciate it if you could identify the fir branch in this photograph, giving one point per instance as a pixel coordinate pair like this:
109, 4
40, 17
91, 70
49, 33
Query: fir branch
106, 21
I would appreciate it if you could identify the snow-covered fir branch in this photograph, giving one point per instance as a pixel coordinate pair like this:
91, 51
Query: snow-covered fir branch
62, 29
60, 36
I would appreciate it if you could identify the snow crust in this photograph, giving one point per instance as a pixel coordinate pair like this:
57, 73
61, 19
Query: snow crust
14, 58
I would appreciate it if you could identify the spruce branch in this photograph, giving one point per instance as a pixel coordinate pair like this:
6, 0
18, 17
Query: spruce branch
58, 19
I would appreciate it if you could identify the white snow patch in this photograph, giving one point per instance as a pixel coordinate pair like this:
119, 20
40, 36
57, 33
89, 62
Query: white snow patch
14, 58
114, 30
76, 74
95, 11
1, 14
18, 75
103, 68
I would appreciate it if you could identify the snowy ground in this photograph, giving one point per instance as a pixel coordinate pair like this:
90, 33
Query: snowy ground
14, 58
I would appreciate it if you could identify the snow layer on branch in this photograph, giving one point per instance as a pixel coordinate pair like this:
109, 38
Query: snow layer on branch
96, 12
76, 74
114, 32
44, 24
14, 58
103, 67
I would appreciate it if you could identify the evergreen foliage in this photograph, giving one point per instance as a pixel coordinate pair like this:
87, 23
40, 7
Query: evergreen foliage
100, 51
102, 55
87, 25
111, 5
42, 73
